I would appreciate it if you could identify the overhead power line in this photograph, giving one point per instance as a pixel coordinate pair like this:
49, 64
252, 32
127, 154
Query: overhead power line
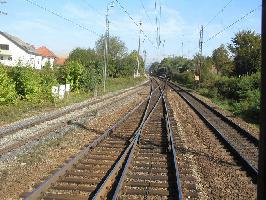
61, 16
238, 20
137, 24
2, 12
219, 12
146, 13
93, 8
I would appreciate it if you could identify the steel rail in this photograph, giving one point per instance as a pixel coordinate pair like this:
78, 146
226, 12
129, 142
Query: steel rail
248, 166
37, 192
172, 148
131, 153
30, 122
245, 133
104, 188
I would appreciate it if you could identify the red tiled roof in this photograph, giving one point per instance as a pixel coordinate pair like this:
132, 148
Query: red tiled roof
45, 52
59, 61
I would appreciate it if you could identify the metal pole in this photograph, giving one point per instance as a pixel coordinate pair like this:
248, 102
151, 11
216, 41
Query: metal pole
261, 191
145, 57
138, 60
200, 48
182, 45
105, 50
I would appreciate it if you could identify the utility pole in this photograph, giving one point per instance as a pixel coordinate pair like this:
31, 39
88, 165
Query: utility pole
106, 44
199, 64
182, 45
261, 191
138, 59
145, 57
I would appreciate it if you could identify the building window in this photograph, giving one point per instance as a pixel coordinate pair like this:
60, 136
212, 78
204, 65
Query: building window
4, 46
10, 58
1, 57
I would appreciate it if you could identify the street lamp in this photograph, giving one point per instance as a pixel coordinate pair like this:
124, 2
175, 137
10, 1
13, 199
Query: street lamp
106, 41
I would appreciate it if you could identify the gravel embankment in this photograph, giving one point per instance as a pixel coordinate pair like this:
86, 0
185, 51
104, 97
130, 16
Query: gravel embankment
216, 174
36, 119
37, 160
22, 137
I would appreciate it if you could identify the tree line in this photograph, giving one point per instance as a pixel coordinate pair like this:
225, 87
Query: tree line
230, 76
83, 69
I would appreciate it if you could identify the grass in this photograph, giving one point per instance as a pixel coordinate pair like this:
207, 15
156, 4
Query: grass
22, 109
115, 84
224, 104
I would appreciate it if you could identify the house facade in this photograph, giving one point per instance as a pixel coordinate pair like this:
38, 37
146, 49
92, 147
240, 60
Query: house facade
47, 55
13, 51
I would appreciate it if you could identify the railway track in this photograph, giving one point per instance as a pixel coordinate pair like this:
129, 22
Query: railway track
96, 171
151, 170
242, 144
35, 120
13, 137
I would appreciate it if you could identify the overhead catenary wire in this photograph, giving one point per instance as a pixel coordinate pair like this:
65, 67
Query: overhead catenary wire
93, 8
218, 13
62, 17
145, 11
235, 22
2, 12
137, 24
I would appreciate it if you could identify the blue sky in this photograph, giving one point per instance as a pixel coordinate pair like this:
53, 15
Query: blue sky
180, 21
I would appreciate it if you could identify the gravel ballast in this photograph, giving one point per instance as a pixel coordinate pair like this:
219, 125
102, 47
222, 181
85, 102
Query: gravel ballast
35, 163
217, 174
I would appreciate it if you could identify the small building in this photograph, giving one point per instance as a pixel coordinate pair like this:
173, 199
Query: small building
47, 55
60, 61
13, 51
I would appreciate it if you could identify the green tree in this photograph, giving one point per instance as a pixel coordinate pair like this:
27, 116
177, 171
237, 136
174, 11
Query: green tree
220, 57
246, 50
129, 64
116, 51
86, 57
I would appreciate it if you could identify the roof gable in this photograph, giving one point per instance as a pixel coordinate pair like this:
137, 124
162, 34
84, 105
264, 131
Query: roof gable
45, 52
23, 45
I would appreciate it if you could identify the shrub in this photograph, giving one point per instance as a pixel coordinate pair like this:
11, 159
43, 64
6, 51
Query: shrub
48, 79
227, 87
247, 84
186, 78
28, 83
71, 73
249, 108
7, 87
89, 79
208, 92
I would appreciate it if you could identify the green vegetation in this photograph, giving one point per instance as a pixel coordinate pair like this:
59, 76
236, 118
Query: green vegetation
230, 77
25, 91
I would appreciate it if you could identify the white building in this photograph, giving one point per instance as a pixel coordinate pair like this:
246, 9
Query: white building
47, 55
14, 51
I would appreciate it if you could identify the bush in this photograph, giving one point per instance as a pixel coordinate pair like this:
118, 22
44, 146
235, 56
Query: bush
247, 84
228, 87
28, 83
48, 79
208, 92
186, 78
7, 87
89, 79
70, 73
249, 108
